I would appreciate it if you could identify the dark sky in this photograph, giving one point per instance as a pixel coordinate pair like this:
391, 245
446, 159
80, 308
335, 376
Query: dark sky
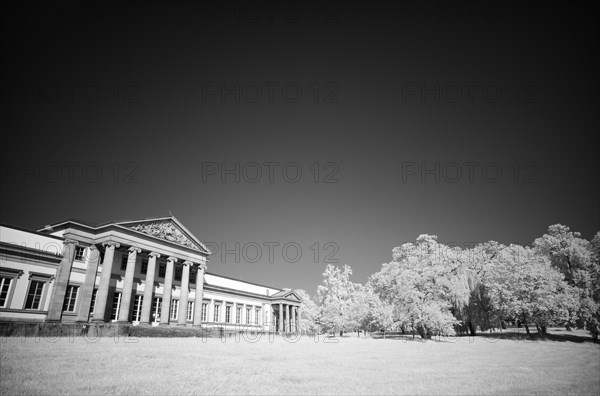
471, 122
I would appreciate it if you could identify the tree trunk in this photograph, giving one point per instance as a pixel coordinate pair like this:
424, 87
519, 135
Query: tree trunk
568, 327
543, 331
527, 328
503, 325
472, 329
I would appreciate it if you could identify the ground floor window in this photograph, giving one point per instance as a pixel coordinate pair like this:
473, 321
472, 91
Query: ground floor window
190, 310
156, 309
5, 284
93, 303
116, 306
34, 295
137, 308
174, 309
70, 298
204, 311
227, 314
216, 316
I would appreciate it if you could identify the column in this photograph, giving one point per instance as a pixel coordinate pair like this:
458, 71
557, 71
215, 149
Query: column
128, 284
298, 321
280, 318
287, 317
210, 315
57, 298
102, 296
149, 287
165, 312
185, 289
91, 265
199, 296
295, 317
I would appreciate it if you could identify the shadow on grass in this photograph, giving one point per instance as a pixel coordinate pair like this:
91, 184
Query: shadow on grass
510, 335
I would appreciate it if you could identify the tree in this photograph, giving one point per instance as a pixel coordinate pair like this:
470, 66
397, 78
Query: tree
522, 284
309, 313
423, 282
577, 259
336, 299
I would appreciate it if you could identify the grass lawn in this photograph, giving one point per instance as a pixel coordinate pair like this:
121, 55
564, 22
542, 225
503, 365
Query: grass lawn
275, 366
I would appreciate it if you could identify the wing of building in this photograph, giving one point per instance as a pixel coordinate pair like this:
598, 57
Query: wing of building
149, 271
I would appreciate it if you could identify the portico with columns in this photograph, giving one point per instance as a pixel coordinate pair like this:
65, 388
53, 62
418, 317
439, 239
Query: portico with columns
142, 272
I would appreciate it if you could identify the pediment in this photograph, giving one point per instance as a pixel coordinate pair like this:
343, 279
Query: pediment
287, 295
167, 229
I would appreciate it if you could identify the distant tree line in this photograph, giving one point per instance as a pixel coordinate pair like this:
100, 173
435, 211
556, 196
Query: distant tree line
434, 289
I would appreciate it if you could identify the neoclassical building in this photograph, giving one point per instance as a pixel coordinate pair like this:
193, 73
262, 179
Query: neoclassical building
148, 272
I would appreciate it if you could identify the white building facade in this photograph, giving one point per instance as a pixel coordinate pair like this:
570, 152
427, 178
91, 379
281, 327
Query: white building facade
141, 272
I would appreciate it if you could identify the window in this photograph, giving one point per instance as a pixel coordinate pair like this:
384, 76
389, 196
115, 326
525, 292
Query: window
137, 308
248, 314
93, 303
79, 253
34, 296
238, 314
216, 316
144, 269
174, 309
70, 298
156, 309
192, 276
178, 273
116, 306
162, 270
204, 311
8, 278
36, 293
5, 283
228, 314
124, 262
190, 310
256, 316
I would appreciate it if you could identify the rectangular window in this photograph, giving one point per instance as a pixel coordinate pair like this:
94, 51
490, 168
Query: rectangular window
93, 303
174, 309
178, 273
156, 308
256, 316
124, 262
34, 295
144, 269
193, 276
190, 310
238, 314
5, 283
116, 306
216, 316
204, 311
70, 298
248, 314
137, 307
162, 270
228, 314
79, 253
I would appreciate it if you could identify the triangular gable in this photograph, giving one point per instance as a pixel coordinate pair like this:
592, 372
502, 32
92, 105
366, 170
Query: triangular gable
168, 229
287, 295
